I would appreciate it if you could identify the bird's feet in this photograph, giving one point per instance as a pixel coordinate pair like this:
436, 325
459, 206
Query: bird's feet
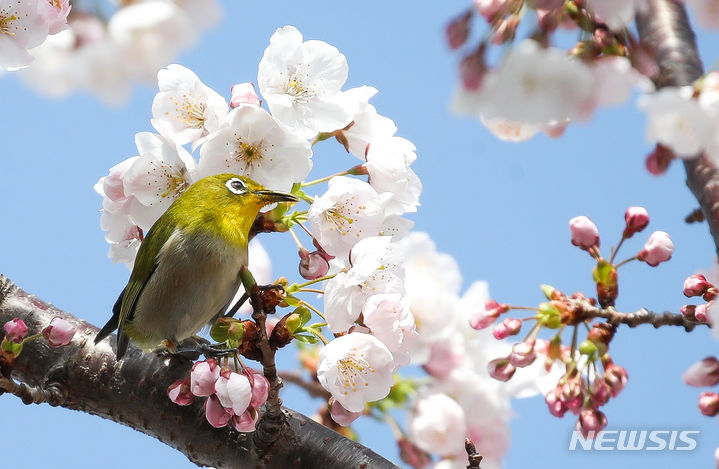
192, 348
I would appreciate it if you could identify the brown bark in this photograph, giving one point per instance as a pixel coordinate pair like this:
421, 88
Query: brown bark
664, 26
87, 377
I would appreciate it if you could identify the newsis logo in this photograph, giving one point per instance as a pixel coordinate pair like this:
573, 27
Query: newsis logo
635, 440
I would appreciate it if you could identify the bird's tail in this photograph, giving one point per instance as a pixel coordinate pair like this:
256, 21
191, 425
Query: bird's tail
111, 325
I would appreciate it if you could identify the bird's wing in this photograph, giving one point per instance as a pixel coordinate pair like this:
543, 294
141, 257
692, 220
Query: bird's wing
146, 263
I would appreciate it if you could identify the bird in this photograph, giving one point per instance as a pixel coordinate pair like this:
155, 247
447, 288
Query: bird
187, 270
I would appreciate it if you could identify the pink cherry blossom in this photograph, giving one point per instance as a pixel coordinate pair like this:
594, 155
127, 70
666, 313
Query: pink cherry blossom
245, 422
703, 373
438, 425
507, 328
15, 330
483, 317
695, 285
179, 392
203, 376
616, 377
215, 413
584, 232
658, 248
709, 403
234, 391
57, 11
523, 354
59, 333
501, 369
590, 422
313, 265
555, 403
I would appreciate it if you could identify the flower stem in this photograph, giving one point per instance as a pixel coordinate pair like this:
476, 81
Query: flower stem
614, 253
625, 261
326, 178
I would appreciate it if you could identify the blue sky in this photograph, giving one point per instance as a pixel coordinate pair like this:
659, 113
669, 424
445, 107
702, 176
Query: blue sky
501, 209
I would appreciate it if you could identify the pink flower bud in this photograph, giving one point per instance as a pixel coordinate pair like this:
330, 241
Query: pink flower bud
572, 394
703, 373
658, 161
15, 330
59, 333
616, 377
203, 376
260, 391
472, 70
590, 422
688, 311
709, 403
341, 415
507, 328
412, 455
179, 392
695, 285
500, 369
244, 93
215, 413
658, 248
312, 264
246, 422
600, 393
234, 391
457, 30
584, 232
522, 354
555, 404
484, 317
635, 219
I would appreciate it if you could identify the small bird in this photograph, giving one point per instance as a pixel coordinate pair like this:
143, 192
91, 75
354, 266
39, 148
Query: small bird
187, 268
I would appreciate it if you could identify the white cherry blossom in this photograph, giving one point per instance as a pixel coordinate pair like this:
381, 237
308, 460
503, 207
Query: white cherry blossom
367, 124
161, 173
388, 162
185, 109
676, 120
537, 85
23, 25
438, 425
302, 81
390, 320
356, 368
234, 391
255, 145
510, 131
348, 212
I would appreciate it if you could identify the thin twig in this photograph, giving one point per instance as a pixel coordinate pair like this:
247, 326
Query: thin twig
641, 316
313, 388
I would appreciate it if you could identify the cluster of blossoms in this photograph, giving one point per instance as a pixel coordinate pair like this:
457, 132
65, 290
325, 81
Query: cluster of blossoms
354, 225
105, 54
25, 25
581, 388
231, 396
57, 334
537, 87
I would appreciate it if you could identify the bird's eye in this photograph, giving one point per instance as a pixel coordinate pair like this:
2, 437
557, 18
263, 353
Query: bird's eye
236, 186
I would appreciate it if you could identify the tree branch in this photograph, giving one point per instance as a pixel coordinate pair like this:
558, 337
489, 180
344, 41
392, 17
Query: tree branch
642, 316
87, 377
665, 27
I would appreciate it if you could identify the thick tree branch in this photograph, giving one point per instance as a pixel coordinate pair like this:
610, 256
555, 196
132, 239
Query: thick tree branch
86, 377
665, 27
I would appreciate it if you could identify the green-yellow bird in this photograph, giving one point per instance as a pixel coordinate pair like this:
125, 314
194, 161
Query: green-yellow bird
187, 268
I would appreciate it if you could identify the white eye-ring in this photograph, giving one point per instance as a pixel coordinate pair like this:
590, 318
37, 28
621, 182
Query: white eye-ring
236, 186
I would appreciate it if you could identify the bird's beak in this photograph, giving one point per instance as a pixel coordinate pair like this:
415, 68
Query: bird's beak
274, 196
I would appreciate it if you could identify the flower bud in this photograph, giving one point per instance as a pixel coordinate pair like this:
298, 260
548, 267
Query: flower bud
635, 219
688, 311
457, 31
341, 415
508, 327
312, 264
695, 285
616, 377
701, 312
555, 405
244, 93
179, 392
412, 455
472, 69
658, 161
709, 403
599, 393
15, 330
59, 332
500, 369
584, 232
703, 373
523, 354
203, 376
658, 248
590, 422
485, 316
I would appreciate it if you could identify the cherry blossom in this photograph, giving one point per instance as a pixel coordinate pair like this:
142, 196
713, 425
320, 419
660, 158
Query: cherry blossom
15, 330
59, 332
234, 391
348, 212
244, 93
203, 376
367, 125
438, 425
356, 368
57, 11
302, 81
388, 162
255, 145
584, 232
390, 320
185, 109
341, 415
658, 248
703, 373
23, 25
